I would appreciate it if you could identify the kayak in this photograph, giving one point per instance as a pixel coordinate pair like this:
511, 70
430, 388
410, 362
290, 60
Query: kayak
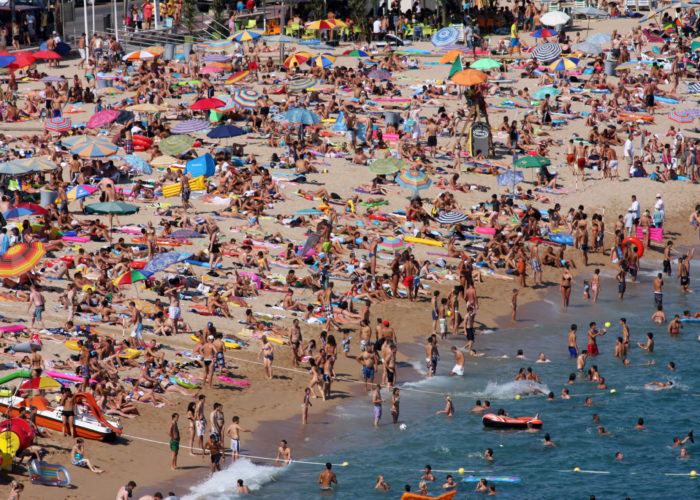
503, 422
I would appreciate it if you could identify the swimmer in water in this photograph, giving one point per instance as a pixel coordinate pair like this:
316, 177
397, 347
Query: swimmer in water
679, 442
684, 454
640, 425
658, 385
589, 402
548, 441
619, 456
488, 455
603, 432
542, 359
327, 478
449, 408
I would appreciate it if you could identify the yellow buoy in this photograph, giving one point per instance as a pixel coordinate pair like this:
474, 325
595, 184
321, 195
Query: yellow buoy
612, 391
693, 473
517, 396
577, 469
345, 464
461, 470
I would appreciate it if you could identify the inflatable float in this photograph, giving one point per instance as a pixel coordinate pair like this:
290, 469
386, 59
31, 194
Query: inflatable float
423, 241
185, 380
415, 496
503, 422
639, 246
562, 238
48, 474
229, 380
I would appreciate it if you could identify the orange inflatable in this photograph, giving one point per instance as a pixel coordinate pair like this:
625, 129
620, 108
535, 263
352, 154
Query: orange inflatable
637, 244
414, 496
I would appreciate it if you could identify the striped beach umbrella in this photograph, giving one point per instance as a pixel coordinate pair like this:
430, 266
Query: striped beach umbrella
161, 261
445, 36
694, 88
247, 99
139, 55
216, 58
391, 244
626, 65
386, 166
380, 74
176, 145
681, 117
520, 102
109, 91
94, 149
564, 64
228, 103
246, 35
138, 164
236, 77
146, 107
37, 163
544, 33
546, 52
189, 126
322, 60
207, 104
20, 259
58, 124
130, 277
325, 24
356, 53
694, 112
52, 78
80, 191
164, 161
102, 118
302, 84
296, 59
78, 140
413, 179
156, 50
451, 217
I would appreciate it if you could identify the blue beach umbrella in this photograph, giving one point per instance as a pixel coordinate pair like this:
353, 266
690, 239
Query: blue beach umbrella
17, 212
6, 61
225, 131
309, 212
300, 115
599, 38
139, 164
510, 178
164, 260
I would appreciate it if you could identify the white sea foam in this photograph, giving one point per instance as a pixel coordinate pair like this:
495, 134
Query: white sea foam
509, 390
222, 485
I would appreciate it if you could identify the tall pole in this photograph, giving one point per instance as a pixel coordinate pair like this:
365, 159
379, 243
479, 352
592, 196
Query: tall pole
93, 17
282, 25
87, 31
116, 21
156, 13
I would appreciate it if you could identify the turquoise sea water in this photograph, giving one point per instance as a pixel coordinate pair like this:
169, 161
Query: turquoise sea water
450, 443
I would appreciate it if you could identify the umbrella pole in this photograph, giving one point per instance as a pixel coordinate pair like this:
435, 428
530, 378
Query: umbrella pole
110, 228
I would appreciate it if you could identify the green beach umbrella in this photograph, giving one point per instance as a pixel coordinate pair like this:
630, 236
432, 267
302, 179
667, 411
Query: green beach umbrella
457, 66
386, 166
485, 64
175, 145
532, 162
111, 207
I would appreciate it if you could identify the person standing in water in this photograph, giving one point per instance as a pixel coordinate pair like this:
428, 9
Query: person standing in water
377, 403
327, 478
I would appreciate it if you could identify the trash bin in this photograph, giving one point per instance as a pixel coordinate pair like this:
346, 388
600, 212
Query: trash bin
169, 52
479, 139
610, 65
47, 197
107, 22
392, 118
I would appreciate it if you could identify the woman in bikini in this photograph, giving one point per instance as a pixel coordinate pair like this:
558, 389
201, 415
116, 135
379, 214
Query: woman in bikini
565, 287
268, 354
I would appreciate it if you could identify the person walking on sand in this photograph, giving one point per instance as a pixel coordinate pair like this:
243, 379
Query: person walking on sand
68, 414
36, 299
174, 435
305, 405
200, 423
208, 357
267, 352
377, 403
234, 433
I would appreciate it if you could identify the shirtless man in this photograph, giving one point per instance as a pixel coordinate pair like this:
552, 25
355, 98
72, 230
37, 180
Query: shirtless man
432, 356
136, 321
659, 316
458, 368
215, 453
284, 453
126, 491
593, 333
327, 478
219, 348
36, 299
649, 346
684, 270
367, 359
573, 347
242, 489
208, 357
233, 432
674, 327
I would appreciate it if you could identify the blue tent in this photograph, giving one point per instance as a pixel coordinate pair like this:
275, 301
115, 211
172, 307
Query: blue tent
204, 165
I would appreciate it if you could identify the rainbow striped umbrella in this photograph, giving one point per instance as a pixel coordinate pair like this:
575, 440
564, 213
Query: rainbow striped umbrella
58, 124
176, 145
296, 59
216, 58
391, 244
564, 64
325, 24
93, 149
520, 102
302, 84
626, 65
386, 166
130, 277
236, 77
228, 103
102, 118
246, 35
20, 259
246, 98
80, 191
189, 126
323, 60
164, 161
413, 179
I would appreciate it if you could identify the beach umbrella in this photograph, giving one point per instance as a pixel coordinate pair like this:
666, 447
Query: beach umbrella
450, 56
510, 178
588, 48
207, 104
6, 60
236, 77
17, 212
146, 107
681, 117
413, 179
485, 64
532, 162
325, 24
130, 277
40, 384
520, 102
469, 77
176, 145
102, 118
185, 234
246, 35
78, 140
36, 164
554, 18
208, 70
164, 161
456, 67
156, 50
386, 166
544, 33
296, 59
37, 209
356, 53
216, 58
189, 126
111, 208
546, 91
309, 212
58, 124
281, 39
12, 168
445, 36
138, 164
451, 217
80, 191
109, 91
94, 149
225, 131
300, 115
302, 84
564, 64
22, 60
247, 99
391, 244
161, 261
599, 38
546, 52
20, 259
124, 117
694, 112
195, 83
380, 74
322, 60
139, 55
48, 55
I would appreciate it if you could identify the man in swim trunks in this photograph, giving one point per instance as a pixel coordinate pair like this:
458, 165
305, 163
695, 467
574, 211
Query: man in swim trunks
592, 334
174, 312
215, 452
367, 359
233, 432
327, 478
573, 347
377, 402
37, 300
458, 368
174, 435
208, 356
431, 356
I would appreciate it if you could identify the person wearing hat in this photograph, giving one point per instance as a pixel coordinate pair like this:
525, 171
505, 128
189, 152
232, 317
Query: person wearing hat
660, 207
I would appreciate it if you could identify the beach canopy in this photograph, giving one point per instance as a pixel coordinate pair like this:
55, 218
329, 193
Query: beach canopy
532, 162
204, 165
20, 259
176, 145
469, 77
111, 208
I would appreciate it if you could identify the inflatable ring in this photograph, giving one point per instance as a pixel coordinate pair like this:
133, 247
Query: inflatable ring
637, 243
